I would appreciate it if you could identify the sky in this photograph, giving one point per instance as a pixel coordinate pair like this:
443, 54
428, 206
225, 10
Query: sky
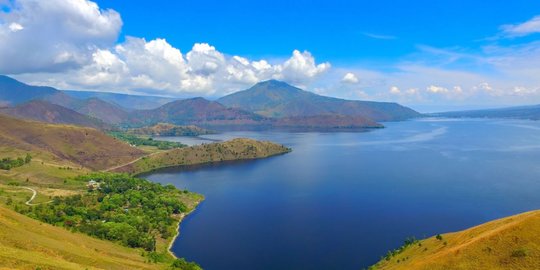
430, 55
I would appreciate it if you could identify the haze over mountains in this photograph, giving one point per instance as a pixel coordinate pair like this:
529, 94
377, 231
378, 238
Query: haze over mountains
269, 104
520, 112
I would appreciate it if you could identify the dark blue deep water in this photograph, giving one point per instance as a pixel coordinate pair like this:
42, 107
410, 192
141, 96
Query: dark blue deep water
341, 200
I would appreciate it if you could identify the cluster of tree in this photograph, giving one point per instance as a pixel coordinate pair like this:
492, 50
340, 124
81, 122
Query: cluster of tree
128, 210
409, 241
148, 141
9, 163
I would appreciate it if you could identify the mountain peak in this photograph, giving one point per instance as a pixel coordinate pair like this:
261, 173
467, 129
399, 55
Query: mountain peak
273, 83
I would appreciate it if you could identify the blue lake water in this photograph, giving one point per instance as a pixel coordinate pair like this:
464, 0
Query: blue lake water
341, 200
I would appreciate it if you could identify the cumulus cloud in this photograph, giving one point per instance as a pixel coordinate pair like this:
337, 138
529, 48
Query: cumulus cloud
77, 41
522, 29
349, 78
300, 68
53, 35
73, 44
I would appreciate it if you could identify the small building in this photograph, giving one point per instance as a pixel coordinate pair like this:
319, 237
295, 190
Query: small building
93, 185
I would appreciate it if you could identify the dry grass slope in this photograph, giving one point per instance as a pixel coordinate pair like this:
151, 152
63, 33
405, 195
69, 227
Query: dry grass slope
86, 147
28, 244
507, 243
237, 149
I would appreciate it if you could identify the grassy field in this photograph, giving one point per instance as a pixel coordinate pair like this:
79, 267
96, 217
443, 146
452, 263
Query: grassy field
237, 149
507, 243
26, 243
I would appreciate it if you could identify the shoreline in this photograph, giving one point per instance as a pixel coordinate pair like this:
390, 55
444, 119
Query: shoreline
143, 173
182, 216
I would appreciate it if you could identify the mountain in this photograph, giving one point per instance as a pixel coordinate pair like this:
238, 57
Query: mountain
507, 243
130, 102
278, 99
84, 146
44, 111
521, 112
13, 92
95, 107
194, 111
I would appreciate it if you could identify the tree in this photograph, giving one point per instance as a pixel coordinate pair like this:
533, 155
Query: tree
28, 158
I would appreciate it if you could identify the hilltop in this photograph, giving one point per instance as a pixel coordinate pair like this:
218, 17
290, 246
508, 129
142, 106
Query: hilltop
278, 99
507, 243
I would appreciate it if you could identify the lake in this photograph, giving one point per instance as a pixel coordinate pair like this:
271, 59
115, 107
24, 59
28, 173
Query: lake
342, 200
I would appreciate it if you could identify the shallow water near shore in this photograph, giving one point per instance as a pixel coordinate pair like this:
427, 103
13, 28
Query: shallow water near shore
341, 200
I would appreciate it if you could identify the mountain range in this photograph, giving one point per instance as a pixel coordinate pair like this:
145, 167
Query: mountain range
269, 104
519, 112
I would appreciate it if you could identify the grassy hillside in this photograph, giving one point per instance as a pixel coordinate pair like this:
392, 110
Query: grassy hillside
507, 243
86, 147
26, 243
236, 149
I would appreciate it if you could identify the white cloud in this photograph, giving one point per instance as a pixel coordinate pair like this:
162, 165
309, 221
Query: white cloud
72, 44
436, 89
350, 78
522, 29
15, 27
300, 68
53, 35
395, 90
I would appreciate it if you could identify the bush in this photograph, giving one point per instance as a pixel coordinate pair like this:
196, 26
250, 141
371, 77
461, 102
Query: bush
184, 265
519, 253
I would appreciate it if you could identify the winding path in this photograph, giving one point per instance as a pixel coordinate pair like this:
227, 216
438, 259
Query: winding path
33, 196
131, 162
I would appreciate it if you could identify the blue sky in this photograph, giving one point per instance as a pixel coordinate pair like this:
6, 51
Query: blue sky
337, 31
432, 55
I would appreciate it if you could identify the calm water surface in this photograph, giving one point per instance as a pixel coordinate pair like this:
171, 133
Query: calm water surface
341, 200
